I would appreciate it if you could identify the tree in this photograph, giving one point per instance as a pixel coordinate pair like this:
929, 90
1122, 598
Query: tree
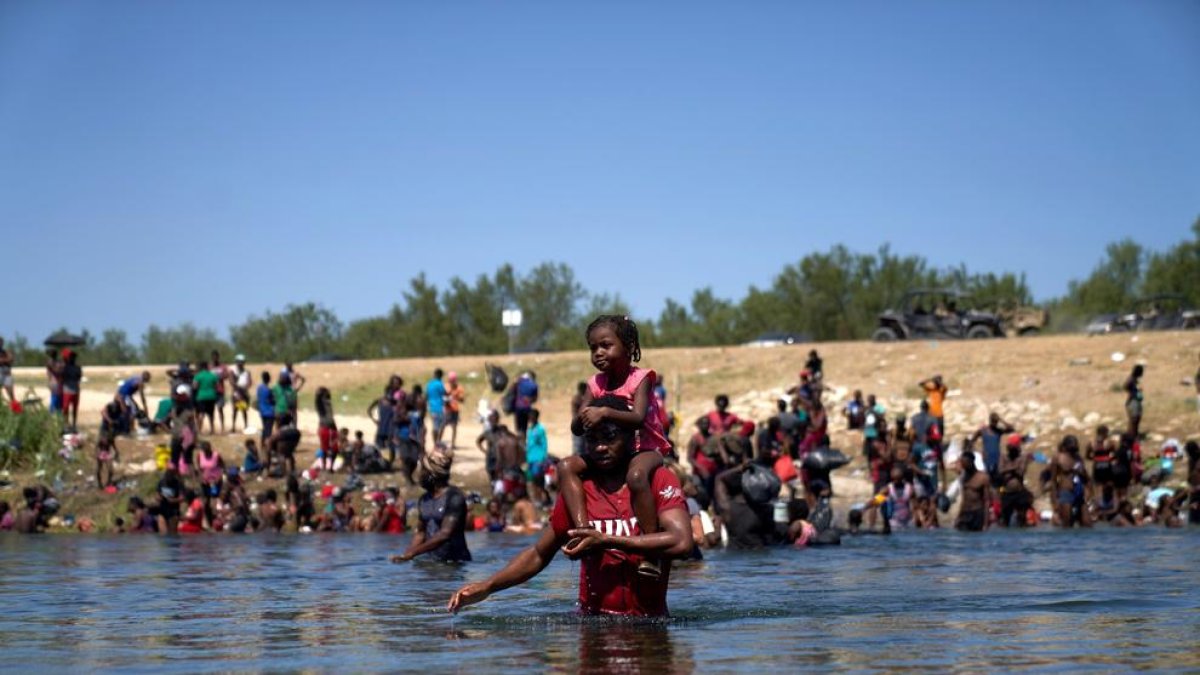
548, 298
185, 343
1177, 270
1112, 286
300, 331
114, 348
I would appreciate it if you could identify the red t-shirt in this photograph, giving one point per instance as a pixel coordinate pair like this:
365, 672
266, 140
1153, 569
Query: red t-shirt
392, 522
609, 582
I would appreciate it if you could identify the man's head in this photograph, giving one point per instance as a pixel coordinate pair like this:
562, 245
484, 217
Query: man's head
703, 424
493, 417
215, 357
145, 376
534, 415
452, 377
937, 379
924, 406
438, 374
994, 419
1013, 443
854, 519
609, 445
434, 470
722, 402
266, 377
966, 463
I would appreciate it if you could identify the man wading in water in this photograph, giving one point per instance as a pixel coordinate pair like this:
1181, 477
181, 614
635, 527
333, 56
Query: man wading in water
613, 546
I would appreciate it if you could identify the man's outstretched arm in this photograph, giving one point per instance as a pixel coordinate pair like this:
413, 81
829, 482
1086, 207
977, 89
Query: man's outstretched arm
525, 566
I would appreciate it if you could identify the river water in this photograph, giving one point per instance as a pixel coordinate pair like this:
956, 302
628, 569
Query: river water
1105, 599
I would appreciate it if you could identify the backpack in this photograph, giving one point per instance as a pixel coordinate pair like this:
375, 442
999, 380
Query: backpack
760, 485
497, 378
509, 400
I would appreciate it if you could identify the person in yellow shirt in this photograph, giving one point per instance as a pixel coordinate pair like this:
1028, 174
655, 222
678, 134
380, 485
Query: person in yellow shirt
455, 395
935, 393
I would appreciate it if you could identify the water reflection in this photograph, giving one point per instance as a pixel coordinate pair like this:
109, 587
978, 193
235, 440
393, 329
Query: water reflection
946, 601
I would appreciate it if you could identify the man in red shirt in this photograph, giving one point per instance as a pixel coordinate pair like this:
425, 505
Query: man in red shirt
612, 548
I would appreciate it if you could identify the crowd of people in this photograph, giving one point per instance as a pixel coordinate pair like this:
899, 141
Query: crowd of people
745, 483
629, 499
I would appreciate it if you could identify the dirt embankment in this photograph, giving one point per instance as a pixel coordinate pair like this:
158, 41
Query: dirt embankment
1047, 386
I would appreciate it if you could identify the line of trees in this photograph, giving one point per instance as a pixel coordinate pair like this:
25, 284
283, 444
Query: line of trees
832, 295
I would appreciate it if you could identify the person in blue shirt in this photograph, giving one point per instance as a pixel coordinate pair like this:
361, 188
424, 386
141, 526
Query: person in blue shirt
435, 401
126, 390
536, 454
265, 400
524, 397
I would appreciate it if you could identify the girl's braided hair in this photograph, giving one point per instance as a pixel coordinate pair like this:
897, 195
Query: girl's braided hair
626, 330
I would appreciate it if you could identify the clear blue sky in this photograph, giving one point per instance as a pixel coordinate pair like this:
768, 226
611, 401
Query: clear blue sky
203, 161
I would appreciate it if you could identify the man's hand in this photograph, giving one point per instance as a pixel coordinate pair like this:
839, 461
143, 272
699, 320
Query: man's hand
591, 416
403, 557
468, 595
583, 540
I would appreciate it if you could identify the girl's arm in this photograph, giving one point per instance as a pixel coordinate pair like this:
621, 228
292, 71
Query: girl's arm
577, 427
631, 418
674, 540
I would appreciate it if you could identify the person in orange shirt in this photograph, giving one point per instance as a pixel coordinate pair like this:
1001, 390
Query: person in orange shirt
455, 395
935, 393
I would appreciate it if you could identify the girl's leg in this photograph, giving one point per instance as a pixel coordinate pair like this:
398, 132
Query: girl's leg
641, 469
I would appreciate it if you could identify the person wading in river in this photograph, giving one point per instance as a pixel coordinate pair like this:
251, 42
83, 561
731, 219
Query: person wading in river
613, 546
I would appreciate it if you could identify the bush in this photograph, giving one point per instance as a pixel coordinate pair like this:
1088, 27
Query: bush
26, 436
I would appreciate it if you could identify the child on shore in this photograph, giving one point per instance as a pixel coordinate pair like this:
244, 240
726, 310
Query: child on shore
327, 431
614, 345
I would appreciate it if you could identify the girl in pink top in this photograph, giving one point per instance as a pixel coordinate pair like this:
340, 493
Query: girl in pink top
614, 345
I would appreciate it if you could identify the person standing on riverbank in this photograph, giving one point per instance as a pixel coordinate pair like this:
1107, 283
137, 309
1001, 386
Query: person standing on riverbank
206, 397
264, 398
524, 396
537, 452
442, 513
455, 396
435, 402
241, 379
327, 431
1133, 400
72, 379
6, 378
935, 393
608, 580
222, 372
54, 366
